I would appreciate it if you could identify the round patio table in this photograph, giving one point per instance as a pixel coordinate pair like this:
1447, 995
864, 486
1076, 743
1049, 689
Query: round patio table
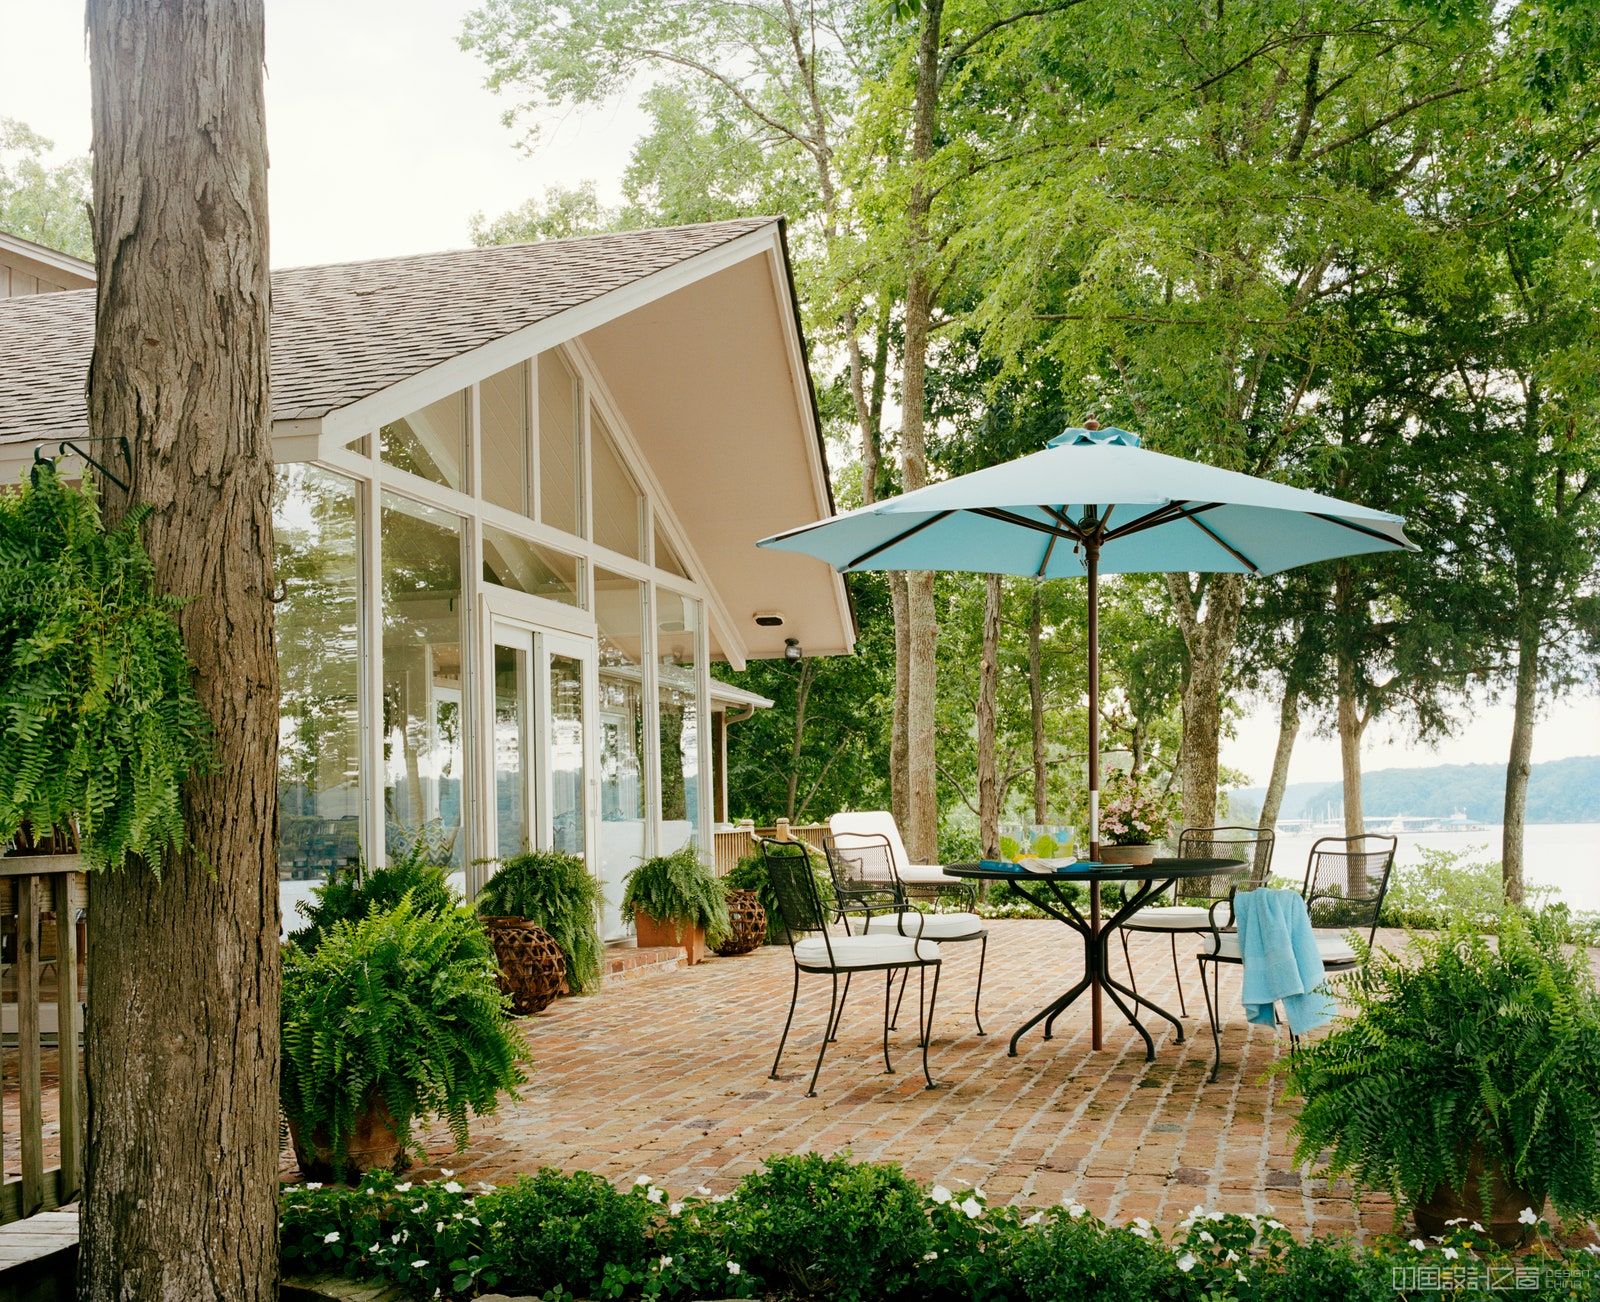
1044, 891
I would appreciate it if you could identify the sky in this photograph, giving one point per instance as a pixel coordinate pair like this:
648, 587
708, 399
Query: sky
384, 140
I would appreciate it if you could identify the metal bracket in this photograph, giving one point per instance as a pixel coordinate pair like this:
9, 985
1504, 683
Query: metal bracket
68, 446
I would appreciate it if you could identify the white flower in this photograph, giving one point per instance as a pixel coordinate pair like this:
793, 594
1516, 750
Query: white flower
452, 1187
419, 1263
674, 1208
1243, 1278
403, 1188
972, 1207
445, 1172
438, 1226
665, 1262
332, 1236
734, 1268
1075, 1210
640, 1180
1232, 1255
1141, 1227
395, 1238
1034, 1219
1274, 1225
1527, 1216
313, 1185
1457, 1220
1450, 1254
1205, 1237
720, 1198
1477, 1227
930, 1256
702, 1191
1419, 1245
655, 1195
940, 1194
1186, 1262
376, 1247
979, 1192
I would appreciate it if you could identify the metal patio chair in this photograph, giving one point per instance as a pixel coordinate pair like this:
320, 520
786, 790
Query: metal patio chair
1346, 880
816, 949
866, 878
1191, 915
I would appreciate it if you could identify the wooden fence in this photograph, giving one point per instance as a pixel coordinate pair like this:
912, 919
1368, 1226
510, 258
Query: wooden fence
33, 888
732, 845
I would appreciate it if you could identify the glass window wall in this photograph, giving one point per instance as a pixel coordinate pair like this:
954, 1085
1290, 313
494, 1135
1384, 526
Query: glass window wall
514, 562
618, 503
316, 537
423, 703
619, 612
678, 692
431, 443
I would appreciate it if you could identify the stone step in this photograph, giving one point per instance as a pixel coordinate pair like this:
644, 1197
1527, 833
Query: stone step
623, 962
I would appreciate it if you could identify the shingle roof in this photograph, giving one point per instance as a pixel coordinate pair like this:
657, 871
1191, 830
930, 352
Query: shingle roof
344, 331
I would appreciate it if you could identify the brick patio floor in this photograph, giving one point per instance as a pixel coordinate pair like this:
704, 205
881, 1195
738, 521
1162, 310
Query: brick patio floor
666, 1075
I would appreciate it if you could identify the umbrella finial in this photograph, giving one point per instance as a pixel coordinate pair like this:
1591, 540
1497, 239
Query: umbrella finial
1091, 423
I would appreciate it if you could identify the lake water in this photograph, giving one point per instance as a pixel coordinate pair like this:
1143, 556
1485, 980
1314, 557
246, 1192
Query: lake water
1565, 856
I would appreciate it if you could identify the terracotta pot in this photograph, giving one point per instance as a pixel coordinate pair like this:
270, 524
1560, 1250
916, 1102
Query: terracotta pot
373, 1145
670, 934
1128, 854
1500, 1218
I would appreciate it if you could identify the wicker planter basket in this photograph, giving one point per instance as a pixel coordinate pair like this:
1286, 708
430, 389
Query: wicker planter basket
749, 924
533, 970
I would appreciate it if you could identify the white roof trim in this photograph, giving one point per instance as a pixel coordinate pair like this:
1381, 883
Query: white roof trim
728, 694
46, 256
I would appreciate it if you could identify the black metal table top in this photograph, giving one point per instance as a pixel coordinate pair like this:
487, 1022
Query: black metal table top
1168, 869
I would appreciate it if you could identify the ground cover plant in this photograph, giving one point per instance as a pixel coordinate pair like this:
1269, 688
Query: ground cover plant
812, 1227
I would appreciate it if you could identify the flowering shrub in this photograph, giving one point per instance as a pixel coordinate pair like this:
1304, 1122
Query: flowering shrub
809, 1226
1132, 815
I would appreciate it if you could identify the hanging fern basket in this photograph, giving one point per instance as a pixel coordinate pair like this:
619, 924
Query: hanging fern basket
533, 970
747, 924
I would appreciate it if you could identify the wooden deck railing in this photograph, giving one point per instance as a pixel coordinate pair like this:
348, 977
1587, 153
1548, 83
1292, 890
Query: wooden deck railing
31, 888
732, 845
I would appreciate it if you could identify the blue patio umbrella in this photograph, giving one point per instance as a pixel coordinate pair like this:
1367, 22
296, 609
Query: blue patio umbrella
1094, 502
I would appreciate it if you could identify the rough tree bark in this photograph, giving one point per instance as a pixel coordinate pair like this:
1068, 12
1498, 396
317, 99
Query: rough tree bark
988, 708
180, 1197
1351, 726
1208, 639
1520, 762
1272, 802
1036, 701
922, 797
899, 757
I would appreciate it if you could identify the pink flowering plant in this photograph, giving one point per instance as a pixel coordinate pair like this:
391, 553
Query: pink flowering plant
1134, 815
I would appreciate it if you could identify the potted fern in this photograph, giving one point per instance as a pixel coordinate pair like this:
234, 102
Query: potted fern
1464, 1080
677, 901
557, 893
350, 896
393, 1018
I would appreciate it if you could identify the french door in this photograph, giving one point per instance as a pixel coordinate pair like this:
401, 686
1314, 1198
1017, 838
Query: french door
540, 745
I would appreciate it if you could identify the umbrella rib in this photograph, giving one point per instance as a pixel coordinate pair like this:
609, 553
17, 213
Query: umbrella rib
1223, 543
898, 539
1044, 563
1167, 514
1358, 528
1006, 517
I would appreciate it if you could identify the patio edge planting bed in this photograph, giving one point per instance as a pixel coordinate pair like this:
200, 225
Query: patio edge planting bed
809, 1226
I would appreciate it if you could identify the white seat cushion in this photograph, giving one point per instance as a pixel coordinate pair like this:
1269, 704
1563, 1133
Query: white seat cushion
1333, 949
1175, 917
924, 874
934, 926
863, 951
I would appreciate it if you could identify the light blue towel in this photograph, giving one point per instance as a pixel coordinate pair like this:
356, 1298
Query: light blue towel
1281, 962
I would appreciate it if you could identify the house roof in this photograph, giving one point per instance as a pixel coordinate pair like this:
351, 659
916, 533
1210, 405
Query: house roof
348, 330
725, 694
59, 270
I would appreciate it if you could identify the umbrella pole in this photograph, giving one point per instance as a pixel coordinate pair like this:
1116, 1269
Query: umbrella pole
1092, 566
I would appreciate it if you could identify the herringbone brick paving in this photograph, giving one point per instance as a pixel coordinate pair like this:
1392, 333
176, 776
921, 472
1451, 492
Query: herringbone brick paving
666, 1076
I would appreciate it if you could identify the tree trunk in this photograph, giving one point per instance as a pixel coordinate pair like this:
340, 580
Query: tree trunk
1350, 730
1208, 643
802, 698
180, 1195
1519, 765
922, 795
899, 761
1272, 802
988, 705
1036, 702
